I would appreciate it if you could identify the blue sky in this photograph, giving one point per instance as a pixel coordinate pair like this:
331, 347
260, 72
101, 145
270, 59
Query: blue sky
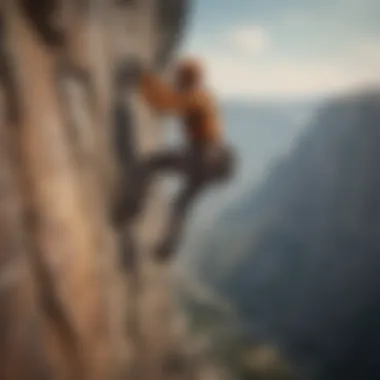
286, 48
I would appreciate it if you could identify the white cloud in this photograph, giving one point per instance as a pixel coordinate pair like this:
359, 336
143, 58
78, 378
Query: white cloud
249, 38
232, 77
257, 73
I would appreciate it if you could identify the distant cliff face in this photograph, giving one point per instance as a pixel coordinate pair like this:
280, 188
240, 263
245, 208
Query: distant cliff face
300, 257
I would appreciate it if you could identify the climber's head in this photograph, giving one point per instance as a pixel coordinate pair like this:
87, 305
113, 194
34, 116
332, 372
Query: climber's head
189, 73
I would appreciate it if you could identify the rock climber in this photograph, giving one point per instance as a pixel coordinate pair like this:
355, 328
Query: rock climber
205, 160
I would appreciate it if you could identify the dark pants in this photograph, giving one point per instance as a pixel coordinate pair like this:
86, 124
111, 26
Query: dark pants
201, 167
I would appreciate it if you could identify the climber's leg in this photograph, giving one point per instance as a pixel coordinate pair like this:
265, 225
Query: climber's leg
135, 189
171, 162
177, 219
205, 168
124, 205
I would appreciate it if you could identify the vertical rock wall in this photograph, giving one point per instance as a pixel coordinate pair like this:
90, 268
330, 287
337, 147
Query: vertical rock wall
65, 302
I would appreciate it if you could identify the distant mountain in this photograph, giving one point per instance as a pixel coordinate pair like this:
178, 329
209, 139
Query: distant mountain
300, 255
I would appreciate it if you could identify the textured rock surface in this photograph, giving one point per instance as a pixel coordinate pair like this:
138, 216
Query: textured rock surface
68, 311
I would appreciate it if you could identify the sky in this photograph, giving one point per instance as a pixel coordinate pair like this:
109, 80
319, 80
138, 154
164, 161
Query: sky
286, 48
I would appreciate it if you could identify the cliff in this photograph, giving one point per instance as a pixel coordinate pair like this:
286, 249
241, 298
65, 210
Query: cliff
69, 308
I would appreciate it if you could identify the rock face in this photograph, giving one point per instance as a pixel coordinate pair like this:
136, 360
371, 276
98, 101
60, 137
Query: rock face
68, 309
304, 248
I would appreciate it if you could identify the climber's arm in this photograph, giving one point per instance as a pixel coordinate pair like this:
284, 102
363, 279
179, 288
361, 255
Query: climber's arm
161, 96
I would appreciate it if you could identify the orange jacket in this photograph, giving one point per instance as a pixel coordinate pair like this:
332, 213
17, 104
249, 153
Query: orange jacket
196, 108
